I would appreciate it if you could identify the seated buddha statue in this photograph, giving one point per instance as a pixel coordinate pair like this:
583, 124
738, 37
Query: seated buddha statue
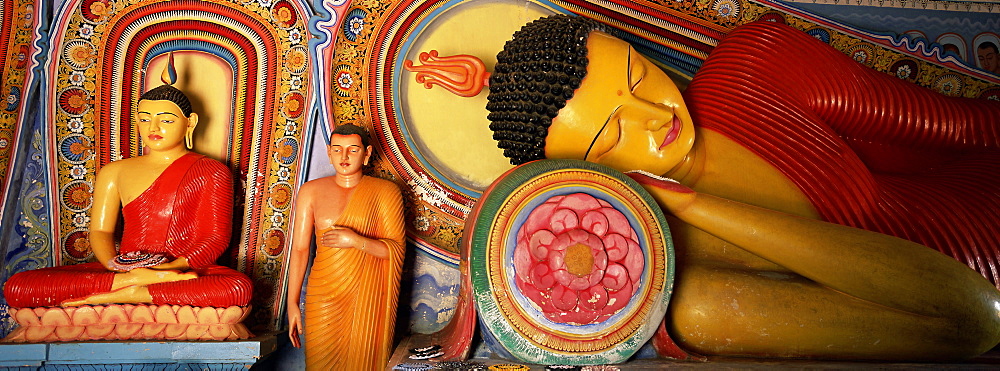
177, 210
812, 200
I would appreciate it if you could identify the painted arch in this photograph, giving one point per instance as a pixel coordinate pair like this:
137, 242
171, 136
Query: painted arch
244, 63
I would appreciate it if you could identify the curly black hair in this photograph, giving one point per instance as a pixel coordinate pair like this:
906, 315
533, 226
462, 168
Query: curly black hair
167, 92
536, 74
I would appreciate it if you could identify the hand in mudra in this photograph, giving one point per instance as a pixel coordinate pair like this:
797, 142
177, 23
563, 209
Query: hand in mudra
135, 259
341, 238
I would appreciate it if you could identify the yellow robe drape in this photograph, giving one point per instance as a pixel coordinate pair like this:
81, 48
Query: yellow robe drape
351, 296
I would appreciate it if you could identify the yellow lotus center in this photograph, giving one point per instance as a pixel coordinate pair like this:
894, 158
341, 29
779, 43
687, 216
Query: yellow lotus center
579, 260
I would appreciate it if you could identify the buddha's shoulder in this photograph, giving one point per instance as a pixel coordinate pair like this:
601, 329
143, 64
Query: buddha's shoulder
317, 185
117, 166
211, 163
324, 183
383, 184
734, 172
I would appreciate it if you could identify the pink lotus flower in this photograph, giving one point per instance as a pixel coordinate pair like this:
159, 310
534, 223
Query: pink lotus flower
577, 259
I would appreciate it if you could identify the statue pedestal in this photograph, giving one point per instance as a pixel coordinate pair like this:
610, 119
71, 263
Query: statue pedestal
160, 355
124, 322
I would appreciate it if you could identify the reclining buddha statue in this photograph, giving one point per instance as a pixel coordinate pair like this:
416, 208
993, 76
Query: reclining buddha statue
815, 202
177, 207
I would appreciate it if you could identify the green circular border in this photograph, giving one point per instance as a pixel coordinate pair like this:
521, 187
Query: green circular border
487, 307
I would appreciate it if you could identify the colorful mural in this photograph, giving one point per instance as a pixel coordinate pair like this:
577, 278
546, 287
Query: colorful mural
958, 28
17, 48
274, 76
21, 189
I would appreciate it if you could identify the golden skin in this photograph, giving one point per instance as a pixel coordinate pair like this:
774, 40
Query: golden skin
162, 127
749, 244
637, 107
318, 206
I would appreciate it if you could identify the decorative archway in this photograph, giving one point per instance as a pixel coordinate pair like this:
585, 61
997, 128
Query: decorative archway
105, 54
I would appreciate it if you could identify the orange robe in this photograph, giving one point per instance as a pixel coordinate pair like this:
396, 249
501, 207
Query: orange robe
351, 296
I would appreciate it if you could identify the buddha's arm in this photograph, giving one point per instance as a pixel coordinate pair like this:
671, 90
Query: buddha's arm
343, 237
387, 235
180, 263
393, 230
298, 259
104, 214
878, 268
374, 247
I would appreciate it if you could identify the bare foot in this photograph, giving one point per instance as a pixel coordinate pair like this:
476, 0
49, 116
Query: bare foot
146, 276
126, 295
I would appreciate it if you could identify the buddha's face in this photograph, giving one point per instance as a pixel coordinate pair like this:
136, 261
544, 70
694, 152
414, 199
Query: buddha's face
626, 114
162, 124
989, 59
347, 154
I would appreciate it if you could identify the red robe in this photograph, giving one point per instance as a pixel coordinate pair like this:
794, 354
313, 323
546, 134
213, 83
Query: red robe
868, 149
187, 211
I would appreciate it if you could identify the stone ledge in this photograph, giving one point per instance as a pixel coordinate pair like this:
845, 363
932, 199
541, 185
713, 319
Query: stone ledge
239, 354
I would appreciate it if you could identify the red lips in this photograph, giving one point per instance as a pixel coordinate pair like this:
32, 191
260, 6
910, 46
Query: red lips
675, 130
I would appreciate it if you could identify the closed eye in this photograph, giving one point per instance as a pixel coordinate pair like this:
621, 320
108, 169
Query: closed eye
636, 72
600, 133
636, 83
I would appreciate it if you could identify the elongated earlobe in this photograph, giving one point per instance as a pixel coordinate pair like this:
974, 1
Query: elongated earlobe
189, 136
